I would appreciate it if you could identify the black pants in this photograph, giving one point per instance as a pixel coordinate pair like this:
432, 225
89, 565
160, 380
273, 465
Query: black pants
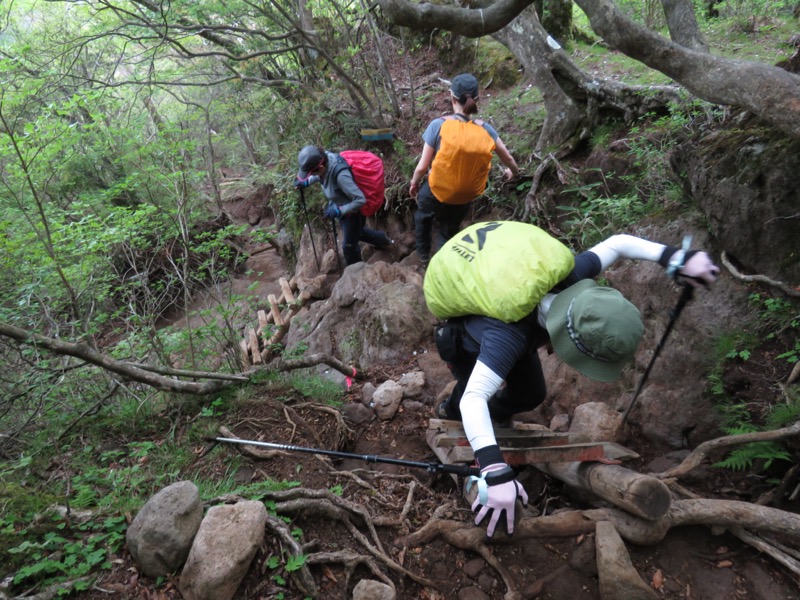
448, 217
525, 387
354, 231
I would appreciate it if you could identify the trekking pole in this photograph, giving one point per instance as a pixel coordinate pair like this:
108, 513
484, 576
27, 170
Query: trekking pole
433, 467
686, 295
308, 222
336, 246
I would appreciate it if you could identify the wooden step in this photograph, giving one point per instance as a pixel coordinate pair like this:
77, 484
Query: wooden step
524, 444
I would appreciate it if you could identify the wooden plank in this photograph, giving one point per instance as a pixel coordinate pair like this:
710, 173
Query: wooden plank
263, 324
443, 454
253, 343
288, 296
533, 456
509, 437
275, 310
244, 356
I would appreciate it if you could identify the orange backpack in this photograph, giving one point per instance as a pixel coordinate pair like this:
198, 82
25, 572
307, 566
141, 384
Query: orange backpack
461, 166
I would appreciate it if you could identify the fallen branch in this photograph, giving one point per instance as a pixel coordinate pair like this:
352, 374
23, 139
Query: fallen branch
699, 454
312, 360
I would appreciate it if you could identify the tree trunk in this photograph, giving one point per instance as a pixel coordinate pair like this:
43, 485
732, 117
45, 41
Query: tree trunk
527, 42
556, 17
769, 92
682, 24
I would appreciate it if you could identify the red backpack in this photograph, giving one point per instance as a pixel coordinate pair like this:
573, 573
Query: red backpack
367, 170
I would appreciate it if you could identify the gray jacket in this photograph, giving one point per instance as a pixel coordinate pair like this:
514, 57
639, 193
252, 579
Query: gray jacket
339, 186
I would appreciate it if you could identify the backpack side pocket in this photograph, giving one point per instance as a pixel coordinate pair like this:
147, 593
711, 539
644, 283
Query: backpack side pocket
448, 340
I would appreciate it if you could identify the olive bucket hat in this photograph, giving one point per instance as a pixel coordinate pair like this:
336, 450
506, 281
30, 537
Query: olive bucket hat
594, 329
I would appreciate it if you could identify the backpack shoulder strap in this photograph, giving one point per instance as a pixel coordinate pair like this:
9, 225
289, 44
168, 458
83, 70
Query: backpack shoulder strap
340, 165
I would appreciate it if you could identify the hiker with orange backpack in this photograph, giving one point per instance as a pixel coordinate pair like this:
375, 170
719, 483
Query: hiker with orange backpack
353, 184
458, 149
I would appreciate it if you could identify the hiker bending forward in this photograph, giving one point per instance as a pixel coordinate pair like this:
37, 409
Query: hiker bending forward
345, 199
505, 289
458, 149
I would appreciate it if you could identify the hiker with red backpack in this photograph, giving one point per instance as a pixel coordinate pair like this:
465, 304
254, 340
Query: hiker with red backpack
458, 149
353, 184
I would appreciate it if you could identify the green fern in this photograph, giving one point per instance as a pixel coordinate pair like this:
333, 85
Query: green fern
783, 415
84, 497
745, 457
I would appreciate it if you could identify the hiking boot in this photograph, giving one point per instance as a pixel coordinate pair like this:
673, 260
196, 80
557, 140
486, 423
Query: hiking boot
440, 412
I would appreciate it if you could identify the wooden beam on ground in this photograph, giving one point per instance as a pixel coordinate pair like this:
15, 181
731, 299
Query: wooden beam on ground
288, 296
252, 340
275, 310
244, 356
263, 323
639, 494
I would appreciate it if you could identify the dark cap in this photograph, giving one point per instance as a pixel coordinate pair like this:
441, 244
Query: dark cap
309, 159
464, 85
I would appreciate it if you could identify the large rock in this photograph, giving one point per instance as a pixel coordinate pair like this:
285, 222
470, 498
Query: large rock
747, 181
376, 314
225, 545
160, 537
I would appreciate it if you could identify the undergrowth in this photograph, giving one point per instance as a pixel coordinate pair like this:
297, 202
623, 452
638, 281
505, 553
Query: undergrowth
775, 319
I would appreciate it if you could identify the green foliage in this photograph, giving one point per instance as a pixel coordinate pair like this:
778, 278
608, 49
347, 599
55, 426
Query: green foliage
317, 388
773, 316
762, 454
57, 559
597, 217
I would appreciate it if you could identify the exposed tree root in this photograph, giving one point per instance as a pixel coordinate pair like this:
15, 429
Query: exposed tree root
784, 287
321, 503
699, 454
738, 517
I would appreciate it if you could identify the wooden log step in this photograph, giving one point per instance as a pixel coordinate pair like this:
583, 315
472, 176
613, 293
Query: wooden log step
451, 433
288, 296
585, 452
641, 495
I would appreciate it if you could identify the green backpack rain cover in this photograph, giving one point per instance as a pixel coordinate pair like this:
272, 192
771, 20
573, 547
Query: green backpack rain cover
499, 269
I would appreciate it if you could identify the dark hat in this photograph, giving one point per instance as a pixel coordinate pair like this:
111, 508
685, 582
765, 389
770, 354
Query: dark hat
594, 329
309, 159
464, 85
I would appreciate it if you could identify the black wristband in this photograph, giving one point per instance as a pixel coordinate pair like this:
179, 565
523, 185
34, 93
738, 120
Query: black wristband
499, 476
489, 455
666, 254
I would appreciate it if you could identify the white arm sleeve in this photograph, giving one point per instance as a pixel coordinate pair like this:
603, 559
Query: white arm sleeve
626, 246
483, 382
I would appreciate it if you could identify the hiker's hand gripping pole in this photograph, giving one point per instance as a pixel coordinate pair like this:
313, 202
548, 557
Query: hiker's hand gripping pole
433, 467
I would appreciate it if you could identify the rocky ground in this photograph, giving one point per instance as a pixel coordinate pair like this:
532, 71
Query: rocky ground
693, 562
